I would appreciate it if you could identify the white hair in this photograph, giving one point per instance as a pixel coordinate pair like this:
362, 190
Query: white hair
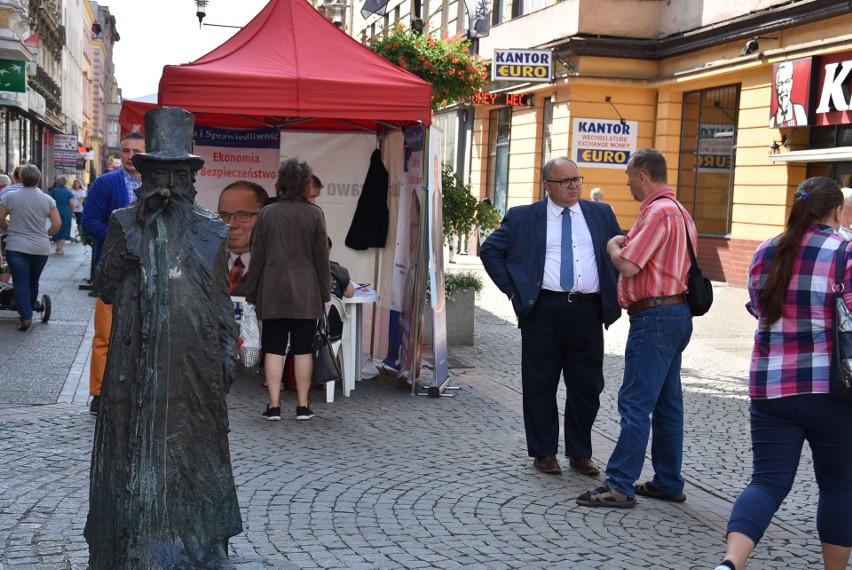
596, 194
847, 195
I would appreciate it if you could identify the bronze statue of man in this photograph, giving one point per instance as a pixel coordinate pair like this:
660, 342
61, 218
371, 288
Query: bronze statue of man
162, 492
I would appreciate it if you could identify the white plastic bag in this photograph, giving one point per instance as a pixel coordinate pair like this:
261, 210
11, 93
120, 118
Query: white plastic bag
250, 336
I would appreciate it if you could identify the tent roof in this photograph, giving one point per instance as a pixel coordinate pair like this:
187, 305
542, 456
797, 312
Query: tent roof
291, 68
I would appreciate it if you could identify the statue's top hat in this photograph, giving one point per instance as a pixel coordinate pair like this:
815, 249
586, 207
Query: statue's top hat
168, 137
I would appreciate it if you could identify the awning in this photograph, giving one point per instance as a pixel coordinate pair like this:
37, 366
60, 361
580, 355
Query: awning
836, 154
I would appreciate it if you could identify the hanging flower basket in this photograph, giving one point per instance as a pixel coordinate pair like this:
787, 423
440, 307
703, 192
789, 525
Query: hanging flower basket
445, 62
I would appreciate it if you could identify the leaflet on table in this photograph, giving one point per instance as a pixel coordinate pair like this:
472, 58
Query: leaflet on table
363, 288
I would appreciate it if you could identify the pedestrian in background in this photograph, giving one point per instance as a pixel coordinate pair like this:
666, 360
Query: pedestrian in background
65, 206
289, 281
654, 265
790, 285
845, 229
550, 260
16, 182
107, 194
316, 189
27, 242
79, 192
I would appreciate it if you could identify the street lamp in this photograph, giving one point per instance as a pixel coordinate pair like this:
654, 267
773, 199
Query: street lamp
335, 12
200, 7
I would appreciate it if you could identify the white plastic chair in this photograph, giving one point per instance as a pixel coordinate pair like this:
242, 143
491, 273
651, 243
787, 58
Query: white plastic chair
336, 346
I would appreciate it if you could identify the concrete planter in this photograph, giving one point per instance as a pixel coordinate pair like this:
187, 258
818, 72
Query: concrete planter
460, 310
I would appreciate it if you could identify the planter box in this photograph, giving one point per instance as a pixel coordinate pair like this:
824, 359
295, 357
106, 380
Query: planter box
460, 311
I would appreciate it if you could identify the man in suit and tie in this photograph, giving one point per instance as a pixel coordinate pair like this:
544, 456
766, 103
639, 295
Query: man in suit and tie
239, 204
550, 259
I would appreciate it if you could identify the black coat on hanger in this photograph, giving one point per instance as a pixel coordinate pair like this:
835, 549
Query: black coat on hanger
370, 223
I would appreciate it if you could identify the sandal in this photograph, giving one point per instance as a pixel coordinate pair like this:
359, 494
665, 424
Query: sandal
648, 490
606, 496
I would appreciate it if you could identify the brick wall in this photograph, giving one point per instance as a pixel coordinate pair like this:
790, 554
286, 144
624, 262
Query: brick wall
724, 259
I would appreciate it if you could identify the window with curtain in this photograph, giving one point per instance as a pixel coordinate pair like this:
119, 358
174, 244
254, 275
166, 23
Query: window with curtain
707, 151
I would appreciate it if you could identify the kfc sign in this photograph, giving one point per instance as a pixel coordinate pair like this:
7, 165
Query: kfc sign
835, 90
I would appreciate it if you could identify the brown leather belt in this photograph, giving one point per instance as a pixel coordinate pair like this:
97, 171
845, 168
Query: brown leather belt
572, 296
652, 302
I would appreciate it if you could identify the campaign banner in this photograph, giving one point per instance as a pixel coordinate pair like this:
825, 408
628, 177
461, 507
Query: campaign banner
406, 255
603, 143
437, 293
230, 155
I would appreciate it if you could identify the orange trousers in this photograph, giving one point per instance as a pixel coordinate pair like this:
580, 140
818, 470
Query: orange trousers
100, 346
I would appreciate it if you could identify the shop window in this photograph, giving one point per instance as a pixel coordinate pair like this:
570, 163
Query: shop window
707, 151
546, 140
497, 182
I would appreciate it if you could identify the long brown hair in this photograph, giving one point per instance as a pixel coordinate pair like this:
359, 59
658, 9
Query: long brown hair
814, 200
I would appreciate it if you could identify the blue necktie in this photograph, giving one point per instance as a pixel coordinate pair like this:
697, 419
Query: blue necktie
566, 266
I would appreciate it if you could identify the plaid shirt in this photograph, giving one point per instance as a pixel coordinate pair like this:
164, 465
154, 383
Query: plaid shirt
793, 355
657, 244
132, 184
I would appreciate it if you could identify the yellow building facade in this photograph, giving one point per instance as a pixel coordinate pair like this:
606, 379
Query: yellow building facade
707, 102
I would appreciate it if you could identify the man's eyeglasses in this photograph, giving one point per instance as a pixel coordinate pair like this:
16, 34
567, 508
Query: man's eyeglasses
566, 182
240, 216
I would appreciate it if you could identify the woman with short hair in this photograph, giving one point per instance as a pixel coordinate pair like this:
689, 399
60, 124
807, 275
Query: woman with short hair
27, 241
289, 281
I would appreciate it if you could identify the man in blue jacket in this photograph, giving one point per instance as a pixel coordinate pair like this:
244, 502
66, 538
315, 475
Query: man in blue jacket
106, 194
550, 259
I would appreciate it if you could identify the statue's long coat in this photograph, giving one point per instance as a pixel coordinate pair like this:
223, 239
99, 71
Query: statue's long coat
162, 491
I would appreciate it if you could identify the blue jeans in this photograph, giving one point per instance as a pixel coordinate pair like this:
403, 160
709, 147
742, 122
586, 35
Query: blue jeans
651, 395
26, 270
778, 429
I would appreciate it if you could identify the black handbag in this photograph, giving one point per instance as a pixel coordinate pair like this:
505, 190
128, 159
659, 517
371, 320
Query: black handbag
700, 291
325, 363
840, 376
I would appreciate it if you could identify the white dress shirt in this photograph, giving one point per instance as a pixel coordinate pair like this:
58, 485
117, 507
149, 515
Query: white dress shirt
586, 278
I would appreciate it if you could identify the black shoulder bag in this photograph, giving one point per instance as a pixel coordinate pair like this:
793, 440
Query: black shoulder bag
699, 293
840, 377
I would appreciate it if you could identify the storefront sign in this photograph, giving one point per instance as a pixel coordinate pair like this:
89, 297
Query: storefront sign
603, 143
791, 89
715, 145
65, 152
834, 90
13, 75
521, 65
502, 99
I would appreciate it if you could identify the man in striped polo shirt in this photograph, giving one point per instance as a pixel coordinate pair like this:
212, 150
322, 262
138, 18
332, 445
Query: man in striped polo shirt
653, 263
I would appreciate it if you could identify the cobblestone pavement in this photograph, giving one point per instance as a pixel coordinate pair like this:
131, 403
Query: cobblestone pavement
387, 480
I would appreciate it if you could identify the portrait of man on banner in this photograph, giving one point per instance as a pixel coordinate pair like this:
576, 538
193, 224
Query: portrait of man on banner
790, 93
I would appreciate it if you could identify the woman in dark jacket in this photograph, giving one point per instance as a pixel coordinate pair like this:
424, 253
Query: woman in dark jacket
289, 282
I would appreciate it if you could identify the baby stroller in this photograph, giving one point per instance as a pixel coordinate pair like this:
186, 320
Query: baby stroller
7, 302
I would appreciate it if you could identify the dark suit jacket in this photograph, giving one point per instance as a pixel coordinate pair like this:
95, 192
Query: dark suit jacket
513, 255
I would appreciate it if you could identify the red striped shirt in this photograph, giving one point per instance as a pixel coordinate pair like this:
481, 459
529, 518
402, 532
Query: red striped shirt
657, 244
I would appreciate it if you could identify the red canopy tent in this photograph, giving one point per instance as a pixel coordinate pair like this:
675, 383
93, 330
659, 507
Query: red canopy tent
290, 68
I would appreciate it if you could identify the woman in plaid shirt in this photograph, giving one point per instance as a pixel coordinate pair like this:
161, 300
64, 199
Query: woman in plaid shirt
790, 285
